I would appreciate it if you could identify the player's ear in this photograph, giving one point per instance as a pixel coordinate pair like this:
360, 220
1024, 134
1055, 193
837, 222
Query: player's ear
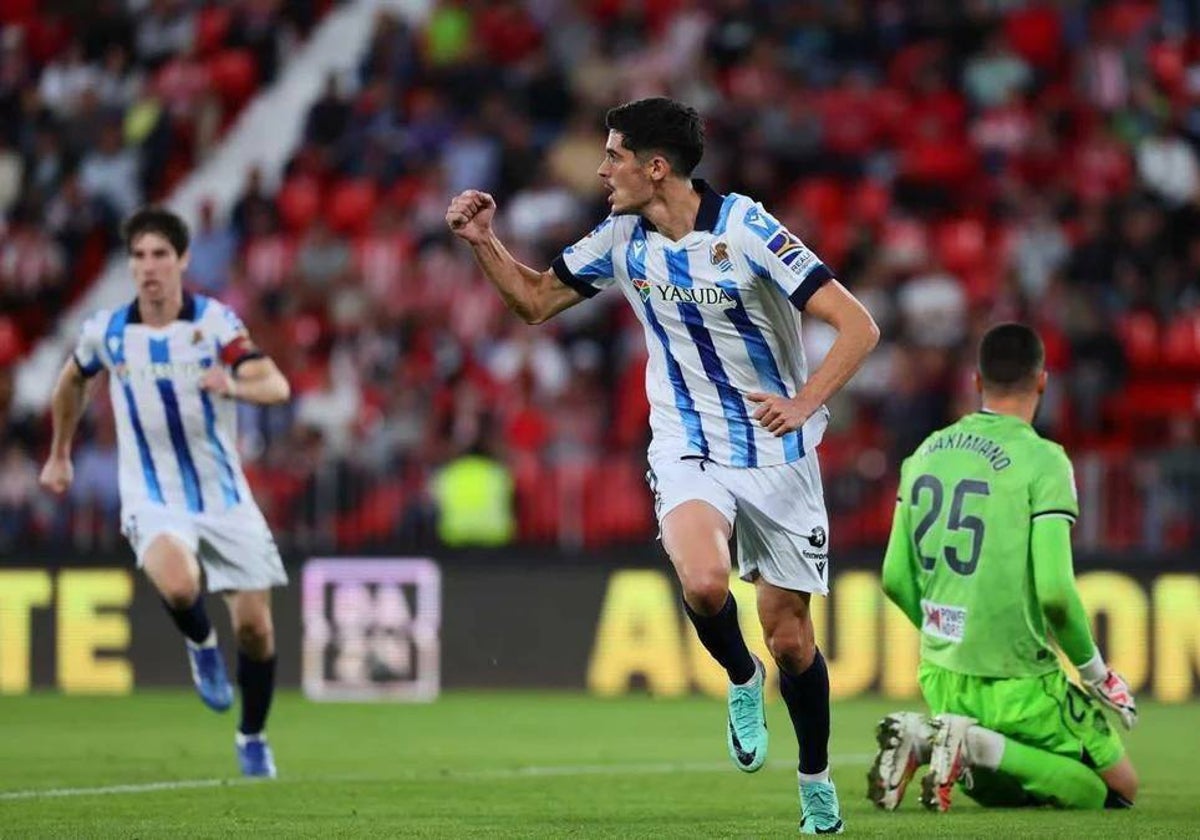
658, 169
1043, 377
978, 382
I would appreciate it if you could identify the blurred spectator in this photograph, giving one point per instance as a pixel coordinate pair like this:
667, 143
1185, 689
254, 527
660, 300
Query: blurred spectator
329, 116
110, 173
1041, 248
12, 173
65, 80
253, 201
18, 488
322, 258
473, 494
212, 252
1167, 166
993, 76
165, 29
956, 164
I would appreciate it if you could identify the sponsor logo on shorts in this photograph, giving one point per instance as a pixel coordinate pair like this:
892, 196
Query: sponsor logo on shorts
814, 555
817, 538
821, 569
943, 621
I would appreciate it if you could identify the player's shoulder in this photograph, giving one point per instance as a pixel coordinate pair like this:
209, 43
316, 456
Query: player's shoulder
746, 215
617, 225
1049, 453
98, 321
1025, 437
215, 313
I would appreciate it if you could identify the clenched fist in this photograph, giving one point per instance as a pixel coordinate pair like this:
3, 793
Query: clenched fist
57, 474
470, 216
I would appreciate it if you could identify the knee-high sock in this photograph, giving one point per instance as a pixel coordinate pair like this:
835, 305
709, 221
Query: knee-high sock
256, 677
1052, 778
192, 620
807, 699
721, 636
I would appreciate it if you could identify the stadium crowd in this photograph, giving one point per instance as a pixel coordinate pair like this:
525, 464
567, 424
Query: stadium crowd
956, 164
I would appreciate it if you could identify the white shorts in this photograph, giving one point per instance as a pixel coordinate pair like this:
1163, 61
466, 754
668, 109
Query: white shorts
235, 547
777, 513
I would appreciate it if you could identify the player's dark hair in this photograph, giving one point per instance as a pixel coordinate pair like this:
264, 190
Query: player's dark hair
661, 126
1010, 358
158, 220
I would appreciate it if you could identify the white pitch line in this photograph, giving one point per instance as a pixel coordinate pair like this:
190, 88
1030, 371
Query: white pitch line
110, 790
550, 770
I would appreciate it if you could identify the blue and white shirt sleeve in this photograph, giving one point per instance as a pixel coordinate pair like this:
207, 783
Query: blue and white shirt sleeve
233, 340
90, 347
774, 253
587, 266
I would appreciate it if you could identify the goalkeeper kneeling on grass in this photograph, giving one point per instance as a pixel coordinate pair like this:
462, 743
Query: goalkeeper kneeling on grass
979, 559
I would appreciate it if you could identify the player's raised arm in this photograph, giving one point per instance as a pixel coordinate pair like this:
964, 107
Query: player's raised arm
66, 408
535, 296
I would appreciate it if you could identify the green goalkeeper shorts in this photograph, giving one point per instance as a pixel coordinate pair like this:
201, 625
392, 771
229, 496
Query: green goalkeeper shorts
1046, 712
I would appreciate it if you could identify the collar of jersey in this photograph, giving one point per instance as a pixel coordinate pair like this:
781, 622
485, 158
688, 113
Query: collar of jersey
706, 216
187, 313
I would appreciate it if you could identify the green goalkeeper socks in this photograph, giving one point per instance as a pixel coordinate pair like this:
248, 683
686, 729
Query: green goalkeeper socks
1052, 778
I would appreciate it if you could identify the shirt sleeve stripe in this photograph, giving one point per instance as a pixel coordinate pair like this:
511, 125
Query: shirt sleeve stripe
559, 266
88, 371
248, 356
818, 277
1064, 514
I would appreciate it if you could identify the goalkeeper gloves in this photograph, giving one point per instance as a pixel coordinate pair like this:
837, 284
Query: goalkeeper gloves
1110, 688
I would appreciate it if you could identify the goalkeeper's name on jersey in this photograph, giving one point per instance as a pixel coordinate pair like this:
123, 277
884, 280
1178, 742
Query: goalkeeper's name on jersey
993, 452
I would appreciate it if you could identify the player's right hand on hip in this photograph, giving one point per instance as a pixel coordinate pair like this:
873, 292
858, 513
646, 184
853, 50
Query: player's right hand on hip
57, 475
1114, 692
470, 215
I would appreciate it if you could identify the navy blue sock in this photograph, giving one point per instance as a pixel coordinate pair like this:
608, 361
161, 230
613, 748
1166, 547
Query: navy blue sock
722, 637
256, 678
192, 621
807, 699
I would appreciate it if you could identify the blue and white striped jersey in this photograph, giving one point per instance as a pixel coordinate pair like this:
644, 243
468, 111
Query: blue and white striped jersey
176, 444
721, 309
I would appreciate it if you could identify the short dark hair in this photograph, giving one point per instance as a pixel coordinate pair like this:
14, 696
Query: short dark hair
663, 126
158, 220
1010, 358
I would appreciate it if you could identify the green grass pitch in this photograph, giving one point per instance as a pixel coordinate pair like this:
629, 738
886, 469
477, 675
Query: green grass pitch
494, 765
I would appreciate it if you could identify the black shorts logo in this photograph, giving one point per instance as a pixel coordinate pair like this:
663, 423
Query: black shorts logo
817, 538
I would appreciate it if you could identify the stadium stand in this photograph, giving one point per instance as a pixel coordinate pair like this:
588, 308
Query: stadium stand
955, 164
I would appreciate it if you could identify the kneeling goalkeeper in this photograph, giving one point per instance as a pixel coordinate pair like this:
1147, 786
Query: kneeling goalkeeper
979, 559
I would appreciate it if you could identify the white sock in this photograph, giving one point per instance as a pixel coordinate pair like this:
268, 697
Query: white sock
823, 776
754, 676
211, 641
243, 738
984, 747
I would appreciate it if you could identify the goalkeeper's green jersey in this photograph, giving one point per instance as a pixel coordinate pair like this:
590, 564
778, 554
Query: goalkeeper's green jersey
967, 501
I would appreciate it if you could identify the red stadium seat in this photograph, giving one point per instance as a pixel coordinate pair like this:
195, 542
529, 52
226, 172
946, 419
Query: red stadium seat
299, 202
823, 199
617, 503
871, 201
961, 245
212, 25
1140, 335
350, 206
1181, 343
234, 76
